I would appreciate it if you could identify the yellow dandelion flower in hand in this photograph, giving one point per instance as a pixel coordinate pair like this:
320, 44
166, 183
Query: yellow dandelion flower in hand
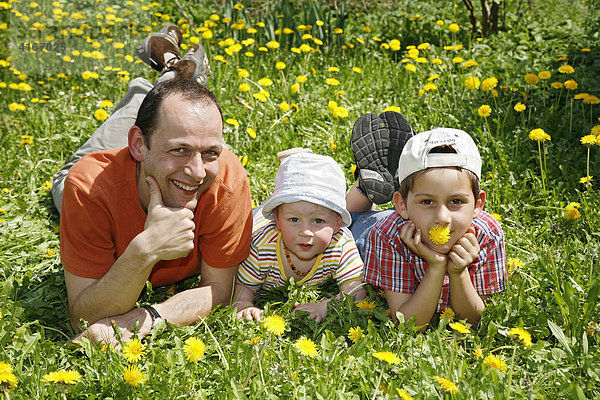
134, 350
134, 376
194, 349
495, 362
387, 356
572, 211
306, 347
460, 328
274, 324
520, 335
439, 234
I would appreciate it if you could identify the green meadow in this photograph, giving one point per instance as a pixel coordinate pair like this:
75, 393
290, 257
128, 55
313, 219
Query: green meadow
298, 74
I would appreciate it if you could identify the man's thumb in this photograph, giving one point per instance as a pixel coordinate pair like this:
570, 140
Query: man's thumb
154, 192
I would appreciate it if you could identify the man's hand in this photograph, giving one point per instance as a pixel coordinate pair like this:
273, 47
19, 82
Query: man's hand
105, 330
463, 253
170, 230
318, 311
251, 313
412, 237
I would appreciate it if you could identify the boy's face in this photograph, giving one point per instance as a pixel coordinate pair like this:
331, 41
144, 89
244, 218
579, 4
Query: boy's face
306, 228
441, 196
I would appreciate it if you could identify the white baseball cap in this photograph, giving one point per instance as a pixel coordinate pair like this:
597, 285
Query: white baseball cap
416, 154
309, 177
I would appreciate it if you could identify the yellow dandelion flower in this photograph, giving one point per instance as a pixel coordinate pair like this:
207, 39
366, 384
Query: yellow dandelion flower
306, 347
484, 111
472, 82
357, 70
566, 69
404, 394
453, 28
586, 179
478, 352
520, 107
265, 82
571, 84
489, 84
100, 114
469, 64
301, 79
556, 85
332, 81
69, 377
439, 234
274, 324
591, 99
294, 88
366, 305
447, 385
244, 87
387, 356
447, 313
134, 350
497, 216
355, 333
495, 362
340, 112
8, 380
410, 67
242, 73
280, 65
26, 140
194, 349
572, 211
595, 130
520, 335
545, 75
253, 341
588, 140
395, 45
460, 328
531, 79
134, 376
232, 121
539, 135
514, 264
273, 44
251, 132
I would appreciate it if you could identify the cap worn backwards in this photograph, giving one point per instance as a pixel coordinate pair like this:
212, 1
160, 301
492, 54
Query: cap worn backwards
416, 154
309, 177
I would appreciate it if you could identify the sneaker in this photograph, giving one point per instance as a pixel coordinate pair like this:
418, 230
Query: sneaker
400, 131
155, 46
194, 65
370, 142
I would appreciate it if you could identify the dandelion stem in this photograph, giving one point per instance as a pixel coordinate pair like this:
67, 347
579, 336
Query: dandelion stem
541, 166
587, 174
219, 350
510, 372
260, 354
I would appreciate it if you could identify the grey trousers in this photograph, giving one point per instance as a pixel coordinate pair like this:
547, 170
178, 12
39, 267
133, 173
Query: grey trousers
112, 134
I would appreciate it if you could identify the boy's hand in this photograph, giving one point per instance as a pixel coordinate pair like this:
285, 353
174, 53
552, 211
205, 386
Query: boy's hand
318, 311
463, 253
251, 313
411, 236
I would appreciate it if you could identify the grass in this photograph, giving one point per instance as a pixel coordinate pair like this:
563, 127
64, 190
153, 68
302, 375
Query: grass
554, 286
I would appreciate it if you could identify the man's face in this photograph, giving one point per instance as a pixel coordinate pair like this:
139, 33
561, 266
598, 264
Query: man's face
441, 196
184, 151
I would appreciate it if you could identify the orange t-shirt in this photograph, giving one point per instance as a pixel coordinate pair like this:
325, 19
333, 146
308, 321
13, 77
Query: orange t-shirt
101, 214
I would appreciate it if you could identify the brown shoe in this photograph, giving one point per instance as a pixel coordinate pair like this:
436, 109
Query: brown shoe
155, 46
194, 65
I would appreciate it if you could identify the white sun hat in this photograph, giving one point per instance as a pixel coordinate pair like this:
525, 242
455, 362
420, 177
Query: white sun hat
416, 154
309, 177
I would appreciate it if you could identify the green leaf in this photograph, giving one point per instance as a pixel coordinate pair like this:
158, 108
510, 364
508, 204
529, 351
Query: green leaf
558, 333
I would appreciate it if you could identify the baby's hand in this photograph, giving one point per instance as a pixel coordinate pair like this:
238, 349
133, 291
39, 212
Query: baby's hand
318, 311
411, 236
463, 253
251, 313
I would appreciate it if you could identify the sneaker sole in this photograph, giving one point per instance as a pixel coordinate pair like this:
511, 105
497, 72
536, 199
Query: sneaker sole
194, 65
400, 132
143, 52
370, 141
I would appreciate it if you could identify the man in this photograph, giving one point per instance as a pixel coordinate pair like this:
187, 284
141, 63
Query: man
171, 204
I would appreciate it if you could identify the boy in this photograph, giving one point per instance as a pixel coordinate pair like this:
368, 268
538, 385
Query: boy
438, 249
305, 236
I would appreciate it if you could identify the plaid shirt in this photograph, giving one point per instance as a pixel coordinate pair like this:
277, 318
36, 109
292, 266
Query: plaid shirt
391, 265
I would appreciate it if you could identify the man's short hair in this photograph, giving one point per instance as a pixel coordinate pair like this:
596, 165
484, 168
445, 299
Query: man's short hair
186, 89
408, 182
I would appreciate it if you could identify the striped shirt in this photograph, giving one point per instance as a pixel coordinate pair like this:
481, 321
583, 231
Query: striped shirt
264, 268
391, 265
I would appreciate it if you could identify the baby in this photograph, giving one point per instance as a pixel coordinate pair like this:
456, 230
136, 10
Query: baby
304, 236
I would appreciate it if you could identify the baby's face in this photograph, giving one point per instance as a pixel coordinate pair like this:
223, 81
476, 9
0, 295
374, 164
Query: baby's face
441, 196
306, 228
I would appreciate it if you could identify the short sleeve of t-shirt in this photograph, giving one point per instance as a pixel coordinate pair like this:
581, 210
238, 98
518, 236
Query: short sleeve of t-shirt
350, 266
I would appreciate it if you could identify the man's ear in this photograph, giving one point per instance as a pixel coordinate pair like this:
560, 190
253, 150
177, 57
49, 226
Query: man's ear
479, 203
136, 144
400, 205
